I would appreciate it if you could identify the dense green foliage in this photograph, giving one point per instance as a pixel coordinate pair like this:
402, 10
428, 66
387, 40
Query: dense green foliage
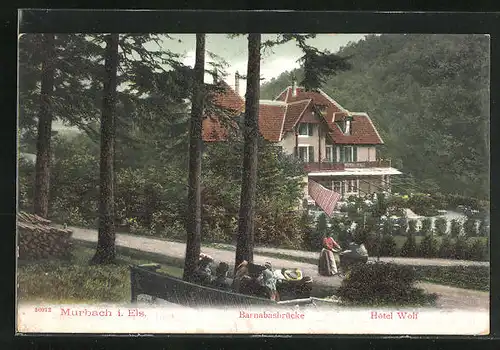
150, 195
383, 284
429, 97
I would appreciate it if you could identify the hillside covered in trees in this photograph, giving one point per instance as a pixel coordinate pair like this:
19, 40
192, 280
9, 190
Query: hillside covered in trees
429, 97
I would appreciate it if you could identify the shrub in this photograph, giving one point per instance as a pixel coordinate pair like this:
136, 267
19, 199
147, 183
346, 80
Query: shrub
382, 284
422, 204
321, 225
470, 227
440, 201
412, 227
428, 247
479, 251
440, 226
389, 246
372, 244
461, 249
455, 228
446, 249
313, 239
403, 226
484, 229
426, 228
409, 248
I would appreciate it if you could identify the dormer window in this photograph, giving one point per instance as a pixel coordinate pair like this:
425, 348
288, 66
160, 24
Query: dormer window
322, 110
305, 129
346, 125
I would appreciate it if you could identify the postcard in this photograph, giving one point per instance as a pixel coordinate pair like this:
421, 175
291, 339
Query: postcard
253, 183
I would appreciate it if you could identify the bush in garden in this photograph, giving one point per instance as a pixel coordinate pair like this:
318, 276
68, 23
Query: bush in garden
388, 246
409, 248
372, 244
455, 228
446, 248
461, 248
426, 228
478, 251
440, 226
383, 284
428, 247
484, 229
322, 224
403, 226
412, 227
422, 204
470, 227
440, 201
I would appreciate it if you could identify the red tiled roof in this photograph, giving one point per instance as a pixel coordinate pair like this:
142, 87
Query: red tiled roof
212, 130
271, 121
293, 114
274, 119
362, 131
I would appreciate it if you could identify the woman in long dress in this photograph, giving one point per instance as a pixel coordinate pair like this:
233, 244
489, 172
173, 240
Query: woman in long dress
327, 265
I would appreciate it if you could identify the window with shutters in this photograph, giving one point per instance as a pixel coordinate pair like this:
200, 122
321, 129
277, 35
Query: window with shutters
305, 129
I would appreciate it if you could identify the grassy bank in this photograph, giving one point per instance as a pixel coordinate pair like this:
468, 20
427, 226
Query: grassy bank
468, 277
74, 281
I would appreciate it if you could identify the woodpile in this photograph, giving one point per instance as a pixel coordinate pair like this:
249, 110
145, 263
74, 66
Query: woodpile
37, 239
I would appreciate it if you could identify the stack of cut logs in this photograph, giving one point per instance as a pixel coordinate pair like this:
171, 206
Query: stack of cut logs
37, 239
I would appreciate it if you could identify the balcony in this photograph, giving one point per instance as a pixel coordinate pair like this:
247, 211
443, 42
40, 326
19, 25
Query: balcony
328, 166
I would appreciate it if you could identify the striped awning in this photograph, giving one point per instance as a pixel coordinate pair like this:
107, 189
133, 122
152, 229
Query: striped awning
326, 199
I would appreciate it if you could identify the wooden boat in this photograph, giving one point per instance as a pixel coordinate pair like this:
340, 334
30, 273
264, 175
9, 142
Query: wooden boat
144, 279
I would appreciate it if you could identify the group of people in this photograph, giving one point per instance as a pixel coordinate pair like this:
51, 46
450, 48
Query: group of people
262, 281
253, 279
356, 253
250, 279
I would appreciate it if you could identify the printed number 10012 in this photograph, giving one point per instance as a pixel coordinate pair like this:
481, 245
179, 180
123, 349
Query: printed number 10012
43, 309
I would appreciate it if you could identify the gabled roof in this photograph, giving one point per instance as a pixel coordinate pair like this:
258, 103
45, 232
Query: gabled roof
279, 116
363, 130
271, 117
212, 128
293, 114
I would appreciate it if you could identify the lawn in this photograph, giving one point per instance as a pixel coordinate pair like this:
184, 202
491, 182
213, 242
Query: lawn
74, 281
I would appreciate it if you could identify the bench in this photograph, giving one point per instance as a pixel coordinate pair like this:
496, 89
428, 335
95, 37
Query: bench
144, 279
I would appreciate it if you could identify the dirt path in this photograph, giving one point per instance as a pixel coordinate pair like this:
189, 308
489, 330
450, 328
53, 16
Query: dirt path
449, 297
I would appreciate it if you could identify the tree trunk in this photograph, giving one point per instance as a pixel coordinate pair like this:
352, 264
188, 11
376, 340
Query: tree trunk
193, 214
42, 172
106, 251
244, 245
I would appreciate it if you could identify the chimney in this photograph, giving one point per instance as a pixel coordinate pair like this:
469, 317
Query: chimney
237, 83
294, 87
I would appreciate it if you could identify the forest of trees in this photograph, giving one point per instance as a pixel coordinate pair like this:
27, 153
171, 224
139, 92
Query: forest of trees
136, 162
428, 95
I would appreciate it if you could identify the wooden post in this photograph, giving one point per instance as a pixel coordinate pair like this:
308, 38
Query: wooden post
297, 141
319, 147
133, 292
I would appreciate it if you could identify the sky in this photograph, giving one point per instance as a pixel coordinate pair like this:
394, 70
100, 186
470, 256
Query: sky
234, 51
